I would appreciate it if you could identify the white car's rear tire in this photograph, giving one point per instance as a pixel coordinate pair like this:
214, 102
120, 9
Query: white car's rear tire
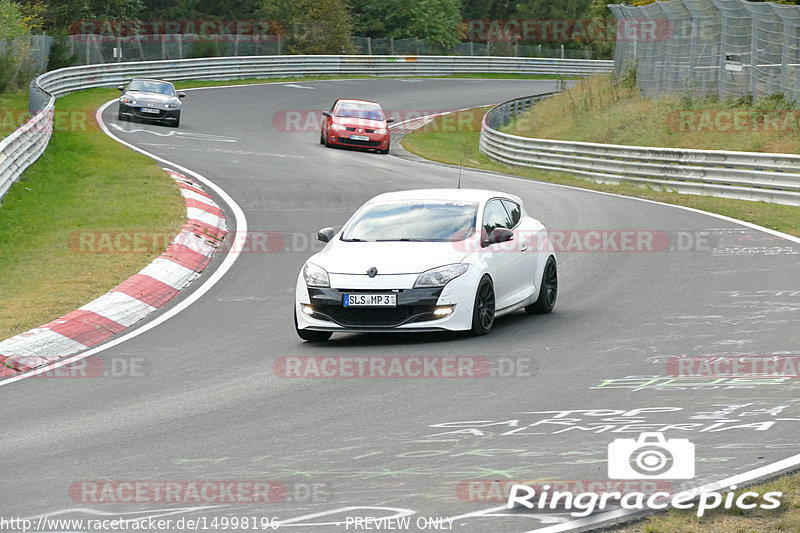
548, 291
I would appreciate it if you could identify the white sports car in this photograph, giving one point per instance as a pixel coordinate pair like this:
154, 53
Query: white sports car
427, 260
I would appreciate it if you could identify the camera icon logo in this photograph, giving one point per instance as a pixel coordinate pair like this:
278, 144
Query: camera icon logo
651, 456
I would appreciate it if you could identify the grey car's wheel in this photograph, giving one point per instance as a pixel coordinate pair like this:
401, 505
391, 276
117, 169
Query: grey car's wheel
483, 310
311, 336
121, 117
177, 121
548, 290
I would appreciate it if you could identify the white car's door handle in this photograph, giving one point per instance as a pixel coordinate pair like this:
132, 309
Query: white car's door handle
523, 246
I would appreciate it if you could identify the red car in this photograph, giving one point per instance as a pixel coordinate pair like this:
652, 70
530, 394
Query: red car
356, 124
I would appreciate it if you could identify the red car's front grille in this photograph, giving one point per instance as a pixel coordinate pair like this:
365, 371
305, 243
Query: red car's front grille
373, 144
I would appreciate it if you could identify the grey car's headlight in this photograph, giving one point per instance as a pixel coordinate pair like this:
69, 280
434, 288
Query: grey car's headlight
126, 100
439, 277
315, 276
171, 106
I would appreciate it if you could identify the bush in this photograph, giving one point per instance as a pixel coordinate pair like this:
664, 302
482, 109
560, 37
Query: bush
7, 72
60, 55
203, 48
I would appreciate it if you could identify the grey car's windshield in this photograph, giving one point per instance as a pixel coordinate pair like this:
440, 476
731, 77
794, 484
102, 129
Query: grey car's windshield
146, 86
425, 221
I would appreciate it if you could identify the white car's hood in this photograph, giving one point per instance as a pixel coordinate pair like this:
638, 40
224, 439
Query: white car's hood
391, 257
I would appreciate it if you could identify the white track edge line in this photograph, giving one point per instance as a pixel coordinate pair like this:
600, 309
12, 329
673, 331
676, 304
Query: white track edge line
227, 263
760, 472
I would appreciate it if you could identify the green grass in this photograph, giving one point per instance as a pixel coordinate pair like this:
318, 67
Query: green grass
598, 110
85, 181
13, 111
454, 140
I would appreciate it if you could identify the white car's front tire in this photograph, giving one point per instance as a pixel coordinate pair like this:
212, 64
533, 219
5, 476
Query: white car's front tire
484, 307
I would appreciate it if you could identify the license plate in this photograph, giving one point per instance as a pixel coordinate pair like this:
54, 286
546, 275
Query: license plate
150, 110
359, 137
370, 300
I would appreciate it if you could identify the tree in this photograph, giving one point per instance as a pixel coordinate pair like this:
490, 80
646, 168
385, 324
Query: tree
61, 14
12, 21
436, 21
313, 26
549, 10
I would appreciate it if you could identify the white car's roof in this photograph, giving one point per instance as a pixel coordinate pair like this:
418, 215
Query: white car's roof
459, 195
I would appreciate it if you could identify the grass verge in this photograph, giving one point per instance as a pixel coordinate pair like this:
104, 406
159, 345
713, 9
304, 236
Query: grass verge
454, 138
601, 111
84, 182
13, 111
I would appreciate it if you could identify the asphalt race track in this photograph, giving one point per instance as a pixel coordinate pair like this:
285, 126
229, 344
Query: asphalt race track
210, 407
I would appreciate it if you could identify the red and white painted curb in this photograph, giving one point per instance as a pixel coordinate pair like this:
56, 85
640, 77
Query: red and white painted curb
132, 300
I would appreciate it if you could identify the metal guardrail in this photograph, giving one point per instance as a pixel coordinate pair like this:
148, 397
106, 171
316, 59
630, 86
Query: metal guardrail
24, 146
742, 175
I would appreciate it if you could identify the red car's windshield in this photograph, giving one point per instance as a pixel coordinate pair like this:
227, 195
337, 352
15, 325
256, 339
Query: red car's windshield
359, 111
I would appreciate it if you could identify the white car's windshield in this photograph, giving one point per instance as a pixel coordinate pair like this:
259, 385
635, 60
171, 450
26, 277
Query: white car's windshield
414, 220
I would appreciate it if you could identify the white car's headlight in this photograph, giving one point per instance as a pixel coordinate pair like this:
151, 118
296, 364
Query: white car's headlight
439, 277
315, 276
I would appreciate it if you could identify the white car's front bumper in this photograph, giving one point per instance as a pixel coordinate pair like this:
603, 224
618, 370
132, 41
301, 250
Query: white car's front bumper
414, 312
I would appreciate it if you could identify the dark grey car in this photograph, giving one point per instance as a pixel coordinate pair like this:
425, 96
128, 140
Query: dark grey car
147, 99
